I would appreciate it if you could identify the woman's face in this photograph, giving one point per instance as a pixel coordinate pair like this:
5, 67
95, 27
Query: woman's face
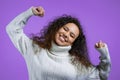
67, 34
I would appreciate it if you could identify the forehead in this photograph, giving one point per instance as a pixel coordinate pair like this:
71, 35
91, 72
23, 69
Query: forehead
73, 28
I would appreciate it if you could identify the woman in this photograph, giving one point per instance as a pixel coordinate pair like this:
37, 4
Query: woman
60, 52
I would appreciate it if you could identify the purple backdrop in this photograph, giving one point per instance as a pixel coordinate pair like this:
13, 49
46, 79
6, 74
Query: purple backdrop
100, 19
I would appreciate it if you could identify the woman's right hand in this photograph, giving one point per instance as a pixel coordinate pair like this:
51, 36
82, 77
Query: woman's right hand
38, 11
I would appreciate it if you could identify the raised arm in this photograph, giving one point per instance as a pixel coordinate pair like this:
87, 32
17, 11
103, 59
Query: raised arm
101, 71
15, 29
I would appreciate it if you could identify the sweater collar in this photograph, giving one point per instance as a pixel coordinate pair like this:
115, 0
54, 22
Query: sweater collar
59, 50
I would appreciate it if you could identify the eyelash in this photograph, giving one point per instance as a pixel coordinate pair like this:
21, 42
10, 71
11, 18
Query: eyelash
72, 36
67, 30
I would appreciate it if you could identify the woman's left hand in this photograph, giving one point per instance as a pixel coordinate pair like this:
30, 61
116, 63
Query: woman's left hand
99, 44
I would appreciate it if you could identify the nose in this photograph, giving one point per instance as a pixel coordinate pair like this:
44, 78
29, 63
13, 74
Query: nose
66, 36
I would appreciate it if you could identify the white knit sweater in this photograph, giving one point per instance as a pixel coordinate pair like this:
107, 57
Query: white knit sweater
54, 64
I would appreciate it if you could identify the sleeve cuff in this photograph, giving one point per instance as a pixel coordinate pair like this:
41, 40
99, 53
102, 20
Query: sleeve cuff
104, 51
29, 12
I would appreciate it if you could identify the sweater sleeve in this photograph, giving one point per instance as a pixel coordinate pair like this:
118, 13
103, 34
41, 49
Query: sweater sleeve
16, 34
101, 71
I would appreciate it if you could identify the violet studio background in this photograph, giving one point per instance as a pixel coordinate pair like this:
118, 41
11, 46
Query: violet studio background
100, 20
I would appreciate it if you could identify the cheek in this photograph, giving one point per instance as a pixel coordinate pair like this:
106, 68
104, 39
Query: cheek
71, 40
56, 36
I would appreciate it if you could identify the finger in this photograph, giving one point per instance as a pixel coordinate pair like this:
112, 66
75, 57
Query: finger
101, 44
96, 45
36, 11
41, 14
41, 11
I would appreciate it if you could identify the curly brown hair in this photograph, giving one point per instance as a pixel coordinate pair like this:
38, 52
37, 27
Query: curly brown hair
79, 48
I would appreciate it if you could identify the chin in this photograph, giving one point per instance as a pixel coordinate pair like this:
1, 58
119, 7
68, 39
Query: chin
59, 43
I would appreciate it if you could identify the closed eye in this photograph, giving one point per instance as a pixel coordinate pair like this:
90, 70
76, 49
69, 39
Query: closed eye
65, 28
72, 35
